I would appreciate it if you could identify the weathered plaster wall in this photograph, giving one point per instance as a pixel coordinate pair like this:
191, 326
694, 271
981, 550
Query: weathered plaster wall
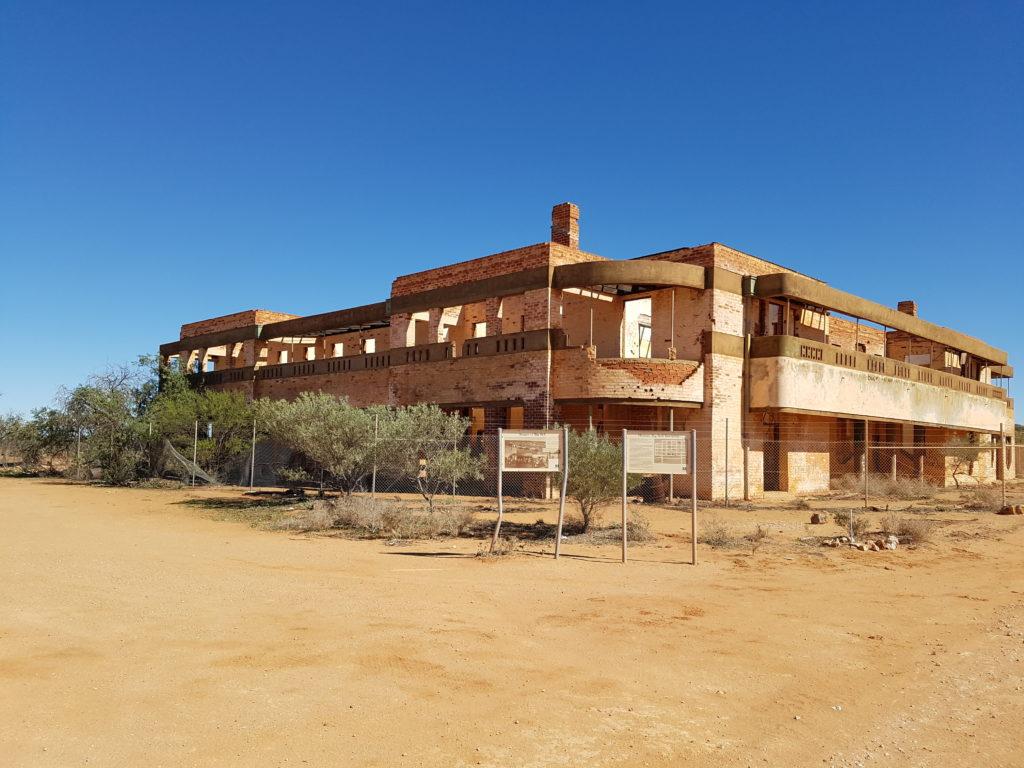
782, 382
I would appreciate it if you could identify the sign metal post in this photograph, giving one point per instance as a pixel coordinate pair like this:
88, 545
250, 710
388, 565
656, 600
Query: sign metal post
565, 488
625, 505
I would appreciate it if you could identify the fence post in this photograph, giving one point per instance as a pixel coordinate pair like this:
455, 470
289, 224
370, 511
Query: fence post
1002, 460
78, 456
373, 474
727, 462
625, 505
252, 458
195, 449
501, 508
565, 489
671, 428
867, 446
693, 497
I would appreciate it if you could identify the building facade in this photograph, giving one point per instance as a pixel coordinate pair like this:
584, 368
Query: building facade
782, 375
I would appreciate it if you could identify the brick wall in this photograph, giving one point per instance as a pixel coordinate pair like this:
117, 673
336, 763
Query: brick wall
235, 320
362, 388
504, 263
495, 264
847, 334
577, 374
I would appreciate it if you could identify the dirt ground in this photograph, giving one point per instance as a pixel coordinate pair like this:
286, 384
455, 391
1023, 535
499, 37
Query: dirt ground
138, 630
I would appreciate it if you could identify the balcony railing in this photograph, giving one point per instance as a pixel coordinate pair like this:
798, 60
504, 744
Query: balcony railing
509, 343
805, 349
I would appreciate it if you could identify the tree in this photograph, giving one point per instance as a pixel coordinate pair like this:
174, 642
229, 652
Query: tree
425, 442
964, 454
50, 434
108, 411
328, 431
595, 474
10, 427
176, 410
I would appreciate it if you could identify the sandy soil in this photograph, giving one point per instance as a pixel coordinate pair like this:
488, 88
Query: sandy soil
135, 630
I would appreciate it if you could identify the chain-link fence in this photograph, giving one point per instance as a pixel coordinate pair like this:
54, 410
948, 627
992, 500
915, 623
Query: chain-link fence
729, 470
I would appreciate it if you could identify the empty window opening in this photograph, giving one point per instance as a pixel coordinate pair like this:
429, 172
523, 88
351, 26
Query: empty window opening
772, 319
479, 330
369, 346
282, 356
311, 353
339, 349
636, 330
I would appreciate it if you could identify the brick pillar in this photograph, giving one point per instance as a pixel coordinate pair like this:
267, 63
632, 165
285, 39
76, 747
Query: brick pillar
400, 331
565, 225
434, 325
492, 316
908, 307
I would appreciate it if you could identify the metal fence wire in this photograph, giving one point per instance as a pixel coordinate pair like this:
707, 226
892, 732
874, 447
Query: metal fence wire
729, 470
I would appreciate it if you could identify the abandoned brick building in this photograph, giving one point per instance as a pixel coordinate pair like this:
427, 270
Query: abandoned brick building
773, 368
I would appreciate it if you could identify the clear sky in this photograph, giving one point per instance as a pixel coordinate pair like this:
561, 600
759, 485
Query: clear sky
166, 162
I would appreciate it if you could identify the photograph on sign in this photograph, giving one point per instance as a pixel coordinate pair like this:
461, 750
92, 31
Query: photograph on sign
657, 452
536, 451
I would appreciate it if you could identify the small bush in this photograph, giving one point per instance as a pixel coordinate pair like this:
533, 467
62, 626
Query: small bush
319, 516
759, 534
908, 530
453, 521
503, 548
848, 483
892, 524
983, 498
842, 519
368, 516
714, 533
375, 518
904, 488
638, 528
916, 531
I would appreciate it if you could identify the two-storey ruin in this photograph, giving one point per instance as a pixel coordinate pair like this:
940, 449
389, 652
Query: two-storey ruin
774, 368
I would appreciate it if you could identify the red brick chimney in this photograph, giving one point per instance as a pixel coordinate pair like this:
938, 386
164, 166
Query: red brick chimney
908, 307
565, 224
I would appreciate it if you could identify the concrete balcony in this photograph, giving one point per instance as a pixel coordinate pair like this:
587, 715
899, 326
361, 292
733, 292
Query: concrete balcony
487, 346
798, 375
579, 376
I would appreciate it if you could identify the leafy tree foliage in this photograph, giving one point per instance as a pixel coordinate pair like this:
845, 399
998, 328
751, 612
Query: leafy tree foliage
595, 474
426, 443
328, 431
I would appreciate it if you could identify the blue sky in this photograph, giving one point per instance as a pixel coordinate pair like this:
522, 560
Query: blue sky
162, 163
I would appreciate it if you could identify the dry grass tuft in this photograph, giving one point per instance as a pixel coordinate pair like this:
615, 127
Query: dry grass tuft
756, 537
916, 531
859, 525
904, 488
376, 518
908, 530
982, 498
715, 533
505, 547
